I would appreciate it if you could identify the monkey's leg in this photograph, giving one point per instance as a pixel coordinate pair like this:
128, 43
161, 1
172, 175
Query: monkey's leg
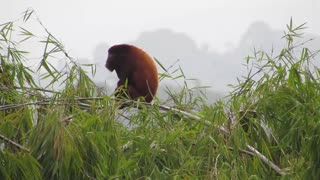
128, 92
133, 92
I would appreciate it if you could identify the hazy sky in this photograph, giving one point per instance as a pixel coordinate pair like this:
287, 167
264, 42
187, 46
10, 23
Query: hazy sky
82, 24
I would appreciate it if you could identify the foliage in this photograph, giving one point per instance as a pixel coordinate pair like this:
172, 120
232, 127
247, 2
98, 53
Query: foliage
56, 124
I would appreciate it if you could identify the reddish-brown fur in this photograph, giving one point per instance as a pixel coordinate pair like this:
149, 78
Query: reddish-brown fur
136, 67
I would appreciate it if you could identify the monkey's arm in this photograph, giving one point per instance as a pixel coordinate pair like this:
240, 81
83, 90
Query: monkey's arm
121, 91
120, 83
129, 93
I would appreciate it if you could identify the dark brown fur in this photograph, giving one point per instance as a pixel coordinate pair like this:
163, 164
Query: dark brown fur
135, 66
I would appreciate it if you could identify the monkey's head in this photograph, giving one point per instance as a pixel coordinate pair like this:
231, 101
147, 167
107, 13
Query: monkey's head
116, 55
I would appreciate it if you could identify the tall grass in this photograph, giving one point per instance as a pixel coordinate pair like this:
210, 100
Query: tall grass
67, 129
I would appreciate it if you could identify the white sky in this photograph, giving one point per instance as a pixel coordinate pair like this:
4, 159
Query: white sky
82, 24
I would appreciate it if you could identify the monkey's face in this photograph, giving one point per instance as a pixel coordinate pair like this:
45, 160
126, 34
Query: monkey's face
115, 61
111, 62
116, 56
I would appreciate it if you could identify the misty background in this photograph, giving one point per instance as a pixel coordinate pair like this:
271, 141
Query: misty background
208, 39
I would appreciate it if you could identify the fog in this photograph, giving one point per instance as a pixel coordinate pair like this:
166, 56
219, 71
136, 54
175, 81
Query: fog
213, 68
208, 39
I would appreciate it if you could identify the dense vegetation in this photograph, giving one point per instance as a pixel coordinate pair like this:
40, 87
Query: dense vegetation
67, 128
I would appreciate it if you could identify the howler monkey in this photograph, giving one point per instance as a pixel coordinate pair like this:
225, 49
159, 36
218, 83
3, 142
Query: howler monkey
136, 70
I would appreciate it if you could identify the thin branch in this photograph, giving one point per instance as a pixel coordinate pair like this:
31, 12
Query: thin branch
167, 108
67, 119
124, 116
192, 116
266, 161
162, 107
242, 151
300, 44
38, 89
15, 106
14, 143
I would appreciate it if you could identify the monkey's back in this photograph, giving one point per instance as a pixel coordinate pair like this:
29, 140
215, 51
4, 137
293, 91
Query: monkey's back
144, 74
